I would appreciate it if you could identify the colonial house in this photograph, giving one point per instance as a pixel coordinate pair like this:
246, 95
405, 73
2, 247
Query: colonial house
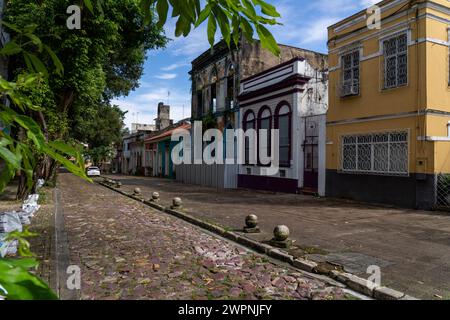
158, 151
216, 78
293, 98
388, 121
133, 151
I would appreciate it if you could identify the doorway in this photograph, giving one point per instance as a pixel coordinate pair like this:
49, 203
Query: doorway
311, 154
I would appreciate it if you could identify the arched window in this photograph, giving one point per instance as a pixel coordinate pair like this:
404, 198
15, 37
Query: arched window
265, 123
229, 102
283, 122
249, 123
199, 94
213, 90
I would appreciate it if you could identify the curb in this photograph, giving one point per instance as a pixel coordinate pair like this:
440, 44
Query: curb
355, 283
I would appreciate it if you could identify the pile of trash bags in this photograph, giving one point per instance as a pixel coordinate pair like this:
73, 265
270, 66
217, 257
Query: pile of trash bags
16, 220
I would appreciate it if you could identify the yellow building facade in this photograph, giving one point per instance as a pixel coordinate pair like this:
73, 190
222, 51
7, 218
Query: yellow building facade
388, 123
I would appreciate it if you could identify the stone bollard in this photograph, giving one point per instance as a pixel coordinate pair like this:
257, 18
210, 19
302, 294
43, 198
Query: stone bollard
281, 237
137, 192
155, 197
251, 224
177, 204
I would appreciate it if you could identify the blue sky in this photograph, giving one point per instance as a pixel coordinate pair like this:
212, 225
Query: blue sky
305, 25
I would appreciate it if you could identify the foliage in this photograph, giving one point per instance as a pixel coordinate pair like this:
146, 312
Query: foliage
100, 154
16, 280
22, 152
231, 16
100, 126
75, 71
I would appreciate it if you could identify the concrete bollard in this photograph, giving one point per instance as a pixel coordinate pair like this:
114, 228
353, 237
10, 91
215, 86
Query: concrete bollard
137, 192
251, 224
155, 197
118, 184
281, 237
177, 204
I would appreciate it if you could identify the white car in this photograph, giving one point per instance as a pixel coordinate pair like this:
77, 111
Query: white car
93, 172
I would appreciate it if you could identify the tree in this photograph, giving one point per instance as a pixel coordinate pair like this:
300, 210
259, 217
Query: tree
32, 138
101, 61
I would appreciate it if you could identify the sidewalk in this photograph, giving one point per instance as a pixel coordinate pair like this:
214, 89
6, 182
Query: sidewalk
412, 248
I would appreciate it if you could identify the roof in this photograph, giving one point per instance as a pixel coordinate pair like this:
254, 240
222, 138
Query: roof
167, 133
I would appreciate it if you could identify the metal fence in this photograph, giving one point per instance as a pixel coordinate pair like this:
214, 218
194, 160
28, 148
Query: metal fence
443, 191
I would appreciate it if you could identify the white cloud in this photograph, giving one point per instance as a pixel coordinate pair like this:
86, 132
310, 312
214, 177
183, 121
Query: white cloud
142, 108
174, 66
166, 76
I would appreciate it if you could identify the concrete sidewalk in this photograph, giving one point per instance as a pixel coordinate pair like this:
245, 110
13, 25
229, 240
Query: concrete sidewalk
412, 248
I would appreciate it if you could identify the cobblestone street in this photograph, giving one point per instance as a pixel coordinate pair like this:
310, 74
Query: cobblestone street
128, 251
411, 247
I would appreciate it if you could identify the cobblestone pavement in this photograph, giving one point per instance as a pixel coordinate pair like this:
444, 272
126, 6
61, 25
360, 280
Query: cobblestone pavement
128, 251
412, 248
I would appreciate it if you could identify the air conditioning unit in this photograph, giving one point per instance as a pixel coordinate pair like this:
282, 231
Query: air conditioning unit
349, 89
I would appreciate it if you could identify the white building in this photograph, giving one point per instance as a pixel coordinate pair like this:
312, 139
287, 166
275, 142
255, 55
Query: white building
291, 97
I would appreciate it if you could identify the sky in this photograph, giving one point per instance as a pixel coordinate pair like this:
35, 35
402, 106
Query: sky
166, 77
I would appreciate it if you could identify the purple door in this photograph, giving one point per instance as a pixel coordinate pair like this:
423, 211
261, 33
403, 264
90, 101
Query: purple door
311, 152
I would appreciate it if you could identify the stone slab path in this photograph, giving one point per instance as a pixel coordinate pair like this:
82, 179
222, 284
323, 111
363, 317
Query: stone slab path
126, 250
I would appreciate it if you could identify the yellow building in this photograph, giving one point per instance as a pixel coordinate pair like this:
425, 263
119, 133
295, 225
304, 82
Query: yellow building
388, 137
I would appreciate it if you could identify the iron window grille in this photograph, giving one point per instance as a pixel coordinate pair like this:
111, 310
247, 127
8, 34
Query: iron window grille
395, 52
350, 74
377, 153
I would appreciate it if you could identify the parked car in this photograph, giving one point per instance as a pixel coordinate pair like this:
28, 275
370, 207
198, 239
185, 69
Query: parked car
93, 172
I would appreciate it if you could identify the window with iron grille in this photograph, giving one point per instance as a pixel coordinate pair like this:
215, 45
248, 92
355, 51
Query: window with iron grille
376, 153
350, 74
395, 61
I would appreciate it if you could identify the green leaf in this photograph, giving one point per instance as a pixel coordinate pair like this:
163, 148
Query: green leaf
224, 24
10, 157
162, 7
11, 26
212, 28
247, 29
204, 14
38, 65
35, 39
268, 9
88, 5
10, 48
267, 40
56, 62
20, 284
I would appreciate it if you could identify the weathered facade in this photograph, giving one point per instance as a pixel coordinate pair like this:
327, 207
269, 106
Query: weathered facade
216, 79
158, 152
389, 114
292, 98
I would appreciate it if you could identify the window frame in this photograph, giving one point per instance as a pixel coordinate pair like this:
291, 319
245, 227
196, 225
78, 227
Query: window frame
213, 79
372, 145
245, 123
277, 117
385, 57
351, 53
230, 101
269, 141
